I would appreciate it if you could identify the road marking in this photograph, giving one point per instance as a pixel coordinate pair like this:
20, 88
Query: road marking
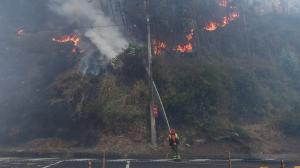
56, 160
81, 160
127, 164
161, 160
7, 158
200, 160
40, 159
121, 160
215, 160
56, 163
237, 160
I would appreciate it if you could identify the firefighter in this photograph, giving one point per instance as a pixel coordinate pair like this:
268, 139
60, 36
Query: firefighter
174, 142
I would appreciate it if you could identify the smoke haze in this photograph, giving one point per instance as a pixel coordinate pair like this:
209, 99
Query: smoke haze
106, 37
30, 64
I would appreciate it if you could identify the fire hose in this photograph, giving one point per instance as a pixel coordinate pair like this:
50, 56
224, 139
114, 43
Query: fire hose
161, 104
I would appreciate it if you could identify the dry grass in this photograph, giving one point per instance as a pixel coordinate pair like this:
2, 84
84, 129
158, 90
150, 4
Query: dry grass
268, 139
50, 144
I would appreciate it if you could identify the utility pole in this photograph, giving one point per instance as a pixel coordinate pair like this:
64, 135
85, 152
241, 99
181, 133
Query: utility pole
152, 117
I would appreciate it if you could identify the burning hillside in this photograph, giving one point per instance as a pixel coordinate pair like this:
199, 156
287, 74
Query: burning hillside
231, 14
109, 40
158, 47
68, 38
74, 39
223, 65
225, 20
188, 47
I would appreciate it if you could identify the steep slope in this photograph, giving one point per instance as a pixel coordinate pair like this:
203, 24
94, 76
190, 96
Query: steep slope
228, 76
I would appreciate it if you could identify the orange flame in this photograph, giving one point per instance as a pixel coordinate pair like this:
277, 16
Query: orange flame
225, 21
189, 37
20, 32
234, 15
223, 3
211, 26
158, 47
187, 48
69, 38
184, 48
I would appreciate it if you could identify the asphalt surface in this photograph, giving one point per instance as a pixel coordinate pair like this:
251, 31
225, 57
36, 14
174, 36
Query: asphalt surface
138, 163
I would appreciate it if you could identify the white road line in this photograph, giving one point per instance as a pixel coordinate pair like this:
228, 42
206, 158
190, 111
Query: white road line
127, 161
209, 160
200, 160
121, 160
161, 160
40, 159
53, 164
219, 160
7, 158
127, 164
81, 160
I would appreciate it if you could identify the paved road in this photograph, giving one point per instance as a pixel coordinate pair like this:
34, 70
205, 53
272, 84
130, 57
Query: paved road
132, 163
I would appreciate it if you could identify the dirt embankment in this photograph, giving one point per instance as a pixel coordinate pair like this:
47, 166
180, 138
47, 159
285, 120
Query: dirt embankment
262, 141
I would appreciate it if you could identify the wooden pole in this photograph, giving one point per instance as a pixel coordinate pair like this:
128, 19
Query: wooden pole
152, 117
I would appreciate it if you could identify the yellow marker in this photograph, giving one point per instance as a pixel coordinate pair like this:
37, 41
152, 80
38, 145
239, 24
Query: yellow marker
282, 164
264, 167
89, 164
103, 160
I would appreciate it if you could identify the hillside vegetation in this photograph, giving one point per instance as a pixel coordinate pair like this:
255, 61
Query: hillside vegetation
238, 86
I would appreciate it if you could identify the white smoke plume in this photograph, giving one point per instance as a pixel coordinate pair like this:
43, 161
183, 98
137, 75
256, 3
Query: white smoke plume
278, 6
106, 37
